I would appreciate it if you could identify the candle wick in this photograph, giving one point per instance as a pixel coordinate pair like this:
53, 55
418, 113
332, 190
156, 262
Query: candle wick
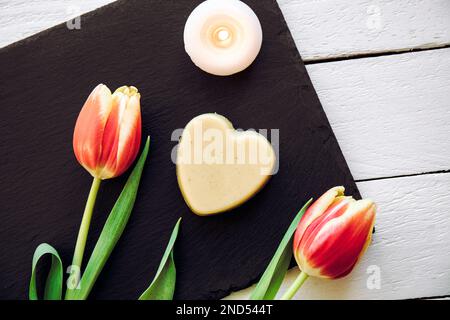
223, 35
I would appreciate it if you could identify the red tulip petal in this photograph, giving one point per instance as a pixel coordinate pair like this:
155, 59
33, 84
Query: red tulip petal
340, 239
316, 210
122, 136
108, 162
130, 134
336, 209
107, 134
90, 126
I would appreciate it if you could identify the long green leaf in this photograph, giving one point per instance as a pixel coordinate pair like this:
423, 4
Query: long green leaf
163, 285
271, 280
113, 229
53, 284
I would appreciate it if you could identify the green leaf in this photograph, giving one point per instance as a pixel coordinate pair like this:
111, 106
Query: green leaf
53, 284
113, 229
271, 280
163, 285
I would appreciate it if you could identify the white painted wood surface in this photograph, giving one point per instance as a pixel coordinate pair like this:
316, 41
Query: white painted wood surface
321, 28
391, 115
22, 18
336, 28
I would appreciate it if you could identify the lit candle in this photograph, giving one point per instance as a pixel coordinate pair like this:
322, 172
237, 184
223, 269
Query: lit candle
222, 37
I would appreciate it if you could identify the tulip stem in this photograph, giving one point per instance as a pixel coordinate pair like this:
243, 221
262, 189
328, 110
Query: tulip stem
298, 282
85, 223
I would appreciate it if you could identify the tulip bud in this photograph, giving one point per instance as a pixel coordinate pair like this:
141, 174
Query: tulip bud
333, 234
107, 134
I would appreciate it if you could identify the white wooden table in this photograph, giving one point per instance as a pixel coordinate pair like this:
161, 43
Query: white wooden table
382, 71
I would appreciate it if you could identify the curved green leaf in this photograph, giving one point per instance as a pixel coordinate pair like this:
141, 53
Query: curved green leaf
112, 230
53, 284
163, 285
271, 280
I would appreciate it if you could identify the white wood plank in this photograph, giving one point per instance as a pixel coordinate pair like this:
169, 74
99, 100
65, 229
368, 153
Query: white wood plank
22, 18
321, 28
410, 246
336, 28
391, 114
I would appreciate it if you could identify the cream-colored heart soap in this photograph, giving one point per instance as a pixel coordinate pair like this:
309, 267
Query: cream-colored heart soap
219, 168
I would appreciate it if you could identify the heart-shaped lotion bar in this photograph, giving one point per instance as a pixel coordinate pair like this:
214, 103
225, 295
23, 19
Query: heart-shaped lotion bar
219, 168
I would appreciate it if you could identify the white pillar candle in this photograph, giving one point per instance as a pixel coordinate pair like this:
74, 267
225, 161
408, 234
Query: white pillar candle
222, 37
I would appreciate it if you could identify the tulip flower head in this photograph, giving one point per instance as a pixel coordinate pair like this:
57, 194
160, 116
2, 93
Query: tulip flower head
107, 133
333, 234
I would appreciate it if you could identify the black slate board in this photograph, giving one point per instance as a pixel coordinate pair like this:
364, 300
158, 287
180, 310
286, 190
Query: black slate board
44, 81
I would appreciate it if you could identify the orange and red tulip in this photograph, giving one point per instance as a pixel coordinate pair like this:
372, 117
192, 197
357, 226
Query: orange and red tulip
107, 133
333, 234
106, 141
